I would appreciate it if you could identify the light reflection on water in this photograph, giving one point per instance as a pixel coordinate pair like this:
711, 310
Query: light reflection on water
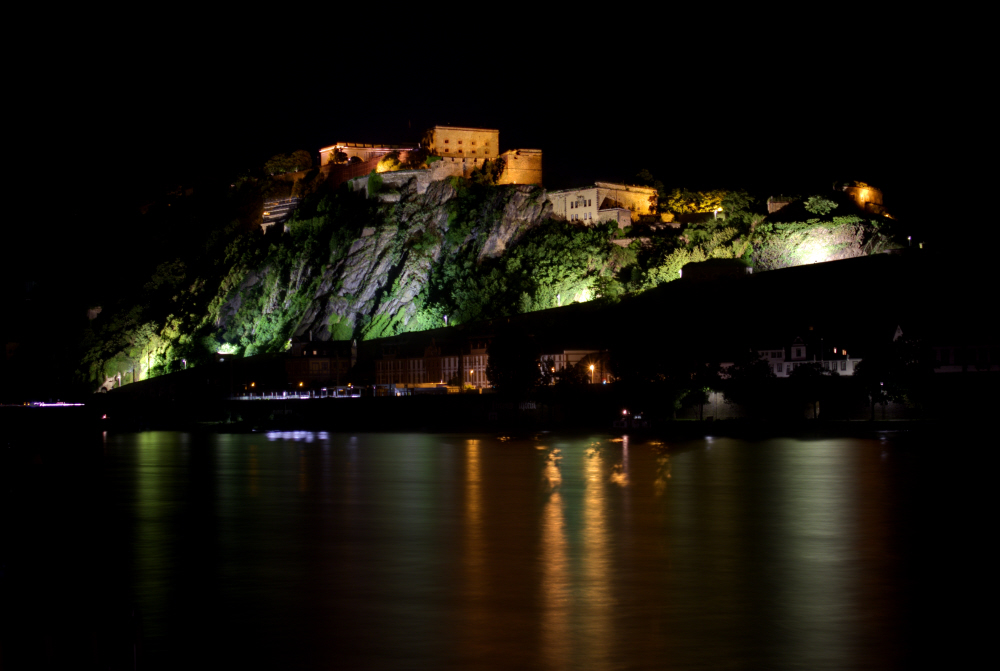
417, 551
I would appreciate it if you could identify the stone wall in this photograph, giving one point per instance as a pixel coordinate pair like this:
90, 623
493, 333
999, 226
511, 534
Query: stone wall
867, 197
522, 166
454, 141
640, 200
399, 180
362, 150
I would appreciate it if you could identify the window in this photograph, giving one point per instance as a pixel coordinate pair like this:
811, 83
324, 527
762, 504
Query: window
460, 142
486, 151
778, 367
798, 352
473, 143
473, 151
446, 149
843, 365
447, 141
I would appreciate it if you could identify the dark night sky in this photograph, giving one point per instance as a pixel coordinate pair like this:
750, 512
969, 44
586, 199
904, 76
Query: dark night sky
771, 106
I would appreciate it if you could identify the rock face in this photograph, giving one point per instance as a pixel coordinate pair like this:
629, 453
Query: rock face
818, 244
372, 283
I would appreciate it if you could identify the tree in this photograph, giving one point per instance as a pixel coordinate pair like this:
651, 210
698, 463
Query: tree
683, 201
808, 383
819, 205
389, 163
513, 366
748, 382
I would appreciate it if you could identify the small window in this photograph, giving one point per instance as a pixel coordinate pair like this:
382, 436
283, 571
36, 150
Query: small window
460, 142
487, 152
446, 150
473, 143
778, 367
447, 141
473, 151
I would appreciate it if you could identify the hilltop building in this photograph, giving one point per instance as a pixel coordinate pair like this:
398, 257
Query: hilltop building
605, 201
458, 141
362, 151
474, 146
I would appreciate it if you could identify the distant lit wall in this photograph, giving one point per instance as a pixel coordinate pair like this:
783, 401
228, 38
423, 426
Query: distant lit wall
455, 141
522, 166
361, 150
640, 200
867, 197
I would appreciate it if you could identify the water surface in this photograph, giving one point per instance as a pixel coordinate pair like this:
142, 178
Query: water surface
395, 551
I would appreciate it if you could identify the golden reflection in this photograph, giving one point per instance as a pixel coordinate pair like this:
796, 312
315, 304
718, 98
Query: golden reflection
663, 473
552, 473
475, 542
556, 592
597, 601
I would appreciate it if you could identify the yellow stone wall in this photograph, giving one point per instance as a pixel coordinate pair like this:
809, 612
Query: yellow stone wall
640, 200
522, 166
458, 142
867, 197
361, 150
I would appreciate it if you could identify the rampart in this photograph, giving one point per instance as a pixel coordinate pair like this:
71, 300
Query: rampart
521, 166
641, 200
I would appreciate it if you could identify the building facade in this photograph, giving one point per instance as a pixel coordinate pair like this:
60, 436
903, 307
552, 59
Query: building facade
315, 364
458, 141
604, 201
785, 360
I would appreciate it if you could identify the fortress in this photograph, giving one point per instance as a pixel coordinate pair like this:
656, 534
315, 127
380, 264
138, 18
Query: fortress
458, 150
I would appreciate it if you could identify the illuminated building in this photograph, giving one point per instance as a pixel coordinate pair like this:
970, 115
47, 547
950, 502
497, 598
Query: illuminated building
605, 201
363, 151
459, 142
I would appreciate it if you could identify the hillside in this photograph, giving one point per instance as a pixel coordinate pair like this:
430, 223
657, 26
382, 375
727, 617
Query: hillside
465, 250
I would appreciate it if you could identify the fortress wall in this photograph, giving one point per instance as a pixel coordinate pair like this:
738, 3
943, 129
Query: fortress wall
522, 166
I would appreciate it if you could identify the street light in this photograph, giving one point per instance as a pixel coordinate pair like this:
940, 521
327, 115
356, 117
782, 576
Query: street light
591, 373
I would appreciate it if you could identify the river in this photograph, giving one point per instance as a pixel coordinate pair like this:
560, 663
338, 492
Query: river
305, 550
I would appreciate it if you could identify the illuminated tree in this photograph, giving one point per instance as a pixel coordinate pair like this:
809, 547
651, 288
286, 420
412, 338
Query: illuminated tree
683, 201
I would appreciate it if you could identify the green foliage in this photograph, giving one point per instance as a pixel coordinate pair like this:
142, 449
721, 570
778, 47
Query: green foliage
389, 163
819, 205
683, 201
375, 183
